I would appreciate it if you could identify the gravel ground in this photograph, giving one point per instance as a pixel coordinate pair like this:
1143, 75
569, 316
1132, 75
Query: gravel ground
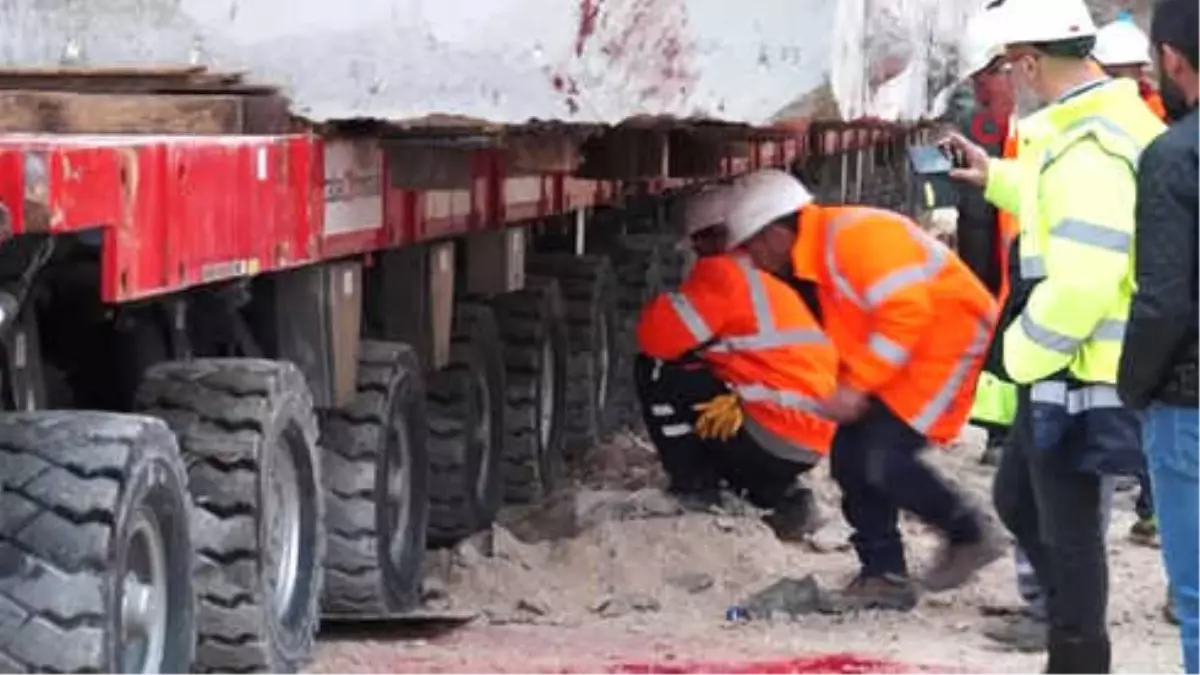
632, 584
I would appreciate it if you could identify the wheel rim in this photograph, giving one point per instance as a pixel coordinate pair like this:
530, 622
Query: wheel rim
285, 530
602, 361
399, 486
546, 395
144, 597
482, 433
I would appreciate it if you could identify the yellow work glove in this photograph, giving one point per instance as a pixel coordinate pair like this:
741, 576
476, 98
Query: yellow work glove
720, 418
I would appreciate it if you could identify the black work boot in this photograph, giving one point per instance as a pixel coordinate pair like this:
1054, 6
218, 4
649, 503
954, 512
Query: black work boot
1021, 633
1144, 532
1079, 655
892, 592
1168, 610
991, 454
958, 562
704, 500
796, 516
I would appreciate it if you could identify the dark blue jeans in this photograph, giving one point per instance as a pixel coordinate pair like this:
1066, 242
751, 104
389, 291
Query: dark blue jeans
876, 463
1172, 449
1052, 502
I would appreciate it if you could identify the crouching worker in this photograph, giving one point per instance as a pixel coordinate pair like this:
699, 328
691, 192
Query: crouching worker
731, 370
910, 324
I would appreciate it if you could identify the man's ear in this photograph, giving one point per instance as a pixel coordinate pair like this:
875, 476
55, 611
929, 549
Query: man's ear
1174, 65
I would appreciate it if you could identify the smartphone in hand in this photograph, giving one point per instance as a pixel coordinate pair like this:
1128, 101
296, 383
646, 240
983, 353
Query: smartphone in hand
930, 160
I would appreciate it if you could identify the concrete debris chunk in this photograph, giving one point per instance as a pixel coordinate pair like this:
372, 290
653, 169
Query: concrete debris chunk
616, 606
692, 582
832, 537
535, 606
788, 598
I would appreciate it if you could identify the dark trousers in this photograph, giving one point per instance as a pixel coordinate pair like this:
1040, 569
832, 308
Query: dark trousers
1144, 506
668, 391
876, 463
1055, 513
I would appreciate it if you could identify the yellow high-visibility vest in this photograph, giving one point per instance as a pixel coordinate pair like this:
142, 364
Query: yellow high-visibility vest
1073, 187
995, 400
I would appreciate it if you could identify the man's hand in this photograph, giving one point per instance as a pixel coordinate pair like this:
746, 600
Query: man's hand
970, 160
845, 405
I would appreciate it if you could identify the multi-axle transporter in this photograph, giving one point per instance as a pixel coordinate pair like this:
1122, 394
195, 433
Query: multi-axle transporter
260, 350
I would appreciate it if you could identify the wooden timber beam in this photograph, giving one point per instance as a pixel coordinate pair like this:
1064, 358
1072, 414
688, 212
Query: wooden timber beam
626, 153
69, 112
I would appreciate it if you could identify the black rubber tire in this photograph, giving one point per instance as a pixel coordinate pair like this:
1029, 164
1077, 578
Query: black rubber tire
533, 320
375, 554
589, 288
672, 261
74, 486
639, 263
461, 450
235, 419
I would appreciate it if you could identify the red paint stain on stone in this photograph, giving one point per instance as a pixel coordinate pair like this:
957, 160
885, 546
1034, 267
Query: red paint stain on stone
645, 48
589, 11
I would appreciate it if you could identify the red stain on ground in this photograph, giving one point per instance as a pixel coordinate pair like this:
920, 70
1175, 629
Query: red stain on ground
829, 663
840, 664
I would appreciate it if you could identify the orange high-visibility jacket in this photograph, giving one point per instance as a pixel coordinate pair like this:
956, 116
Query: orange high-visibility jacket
1153, 100
758, 336
909, 319
1007, 227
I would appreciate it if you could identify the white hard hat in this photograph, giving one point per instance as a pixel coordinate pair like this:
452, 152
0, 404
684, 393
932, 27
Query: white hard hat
979, 46
1027, 21
706, 208
1121, 43
760, 198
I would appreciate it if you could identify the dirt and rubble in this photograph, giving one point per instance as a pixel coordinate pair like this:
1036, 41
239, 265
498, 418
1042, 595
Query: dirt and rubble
616, 576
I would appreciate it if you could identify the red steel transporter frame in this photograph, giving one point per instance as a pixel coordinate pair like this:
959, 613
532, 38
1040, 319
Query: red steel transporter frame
316, 357
175, 212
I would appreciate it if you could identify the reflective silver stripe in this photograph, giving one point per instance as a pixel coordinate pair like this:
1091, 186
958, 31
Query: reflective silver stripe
690, 317
886, 349
1033, 267
1131, 158
1109, 329
894, 281
662, 410
935, 259
766, 337
941, 400
839, 281
1076, 401
1052, 392
1094, 397
676, 430
783, 338
1049, 339
757, 393
1092, 234
1112, 330
763, 320
778, 445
